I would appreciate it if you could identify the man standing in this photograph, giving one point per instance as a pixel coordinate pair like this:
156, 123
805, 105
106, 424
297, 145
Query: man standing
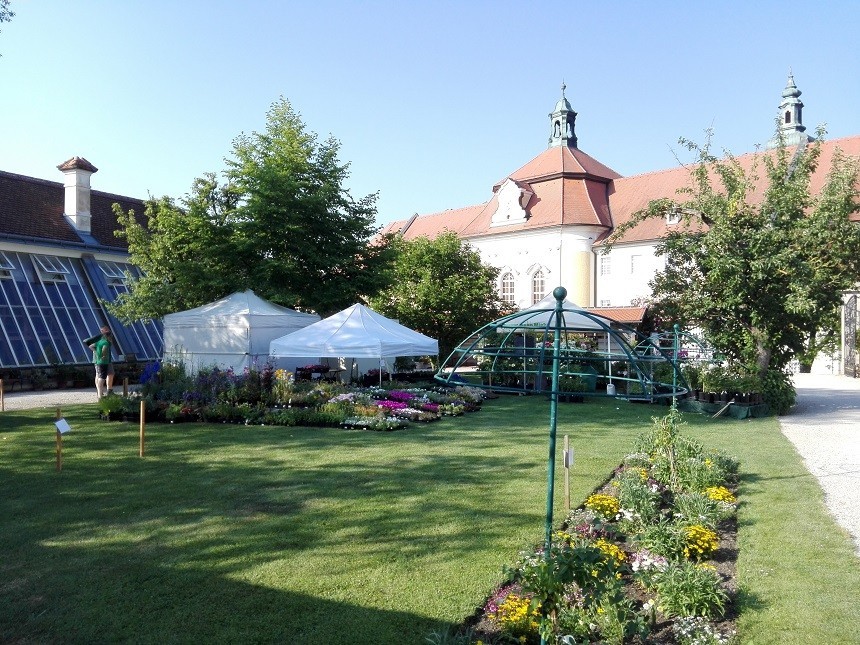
102, 361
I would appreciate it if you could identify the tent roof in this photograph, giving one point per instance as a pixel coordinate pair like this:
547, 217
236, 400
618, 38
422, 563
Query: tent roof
241, 304
355, 332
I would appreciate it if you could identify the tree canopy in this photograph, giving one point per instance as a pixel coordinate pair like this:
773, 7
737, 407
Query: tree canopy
440, 288
761, 263
6, 14
280, 222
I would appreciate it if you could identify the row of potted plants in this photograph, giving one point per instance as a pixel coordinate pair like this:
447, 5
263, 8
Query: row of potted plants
271, 397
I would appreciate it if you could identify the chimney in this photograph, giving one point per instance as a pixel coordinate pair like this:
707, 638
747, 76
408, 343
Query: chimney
77, 171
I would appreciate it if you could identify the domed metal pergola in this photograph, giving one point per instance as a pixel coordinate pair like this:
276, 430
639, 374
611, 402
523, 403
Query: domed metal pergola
595, 356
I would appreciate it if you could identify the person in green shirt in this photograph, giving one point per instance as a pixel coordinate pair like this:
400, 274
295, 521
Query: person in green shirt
101, 348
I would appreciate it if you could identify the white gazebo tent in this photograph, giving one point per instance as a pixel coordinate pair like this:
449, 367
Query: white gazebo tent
232, 332
355, 332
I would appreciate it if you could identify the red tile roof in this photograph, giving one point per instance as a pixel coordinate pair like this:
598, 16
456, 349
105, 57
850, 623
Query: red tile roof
570, 187
631, 194
558, 160
33, 208
626, 315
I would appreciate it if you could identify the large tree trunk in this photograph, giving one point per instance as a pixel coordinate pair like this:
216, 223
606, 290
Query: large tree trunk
763, 353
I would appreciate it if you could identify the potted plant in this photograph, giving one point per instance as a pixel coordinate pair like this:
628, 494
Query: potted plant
568, 386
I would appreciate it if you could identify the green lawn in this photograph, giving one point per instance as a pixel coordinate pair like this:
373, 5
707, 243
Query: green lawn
268, 534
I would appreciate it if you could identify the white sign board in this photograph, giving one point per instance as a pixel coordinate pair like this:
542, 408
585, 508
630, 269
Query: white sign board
63, 426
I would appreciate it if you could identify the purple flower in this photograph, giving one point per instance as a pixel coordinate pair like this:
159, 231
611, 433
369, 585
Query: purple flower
390, 405
400, 395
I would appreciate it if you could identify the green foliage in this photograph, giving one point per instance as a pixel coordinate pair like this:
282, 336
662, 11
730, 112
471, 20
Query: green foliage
281, 223
665, 537
547, 579
637, 497
730, 378
572, 383
441, 288
758, 263
111, 404
698, 508
778, 391
688, 589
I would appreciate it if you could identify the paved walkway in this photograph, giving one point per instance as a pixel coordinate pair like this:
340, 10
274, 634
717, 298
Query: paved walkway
824, 427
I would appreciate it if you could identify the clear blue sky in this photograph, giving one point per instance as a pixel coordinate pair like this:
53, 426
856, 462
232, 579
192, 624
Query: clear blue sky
433, 101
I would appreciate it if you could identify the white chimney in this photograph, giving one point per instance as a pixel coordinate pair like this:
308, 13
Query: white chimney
77, 184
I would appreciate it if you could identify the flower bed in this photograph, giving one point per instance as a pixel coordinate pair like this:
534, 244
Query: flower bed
272, 397
649, 557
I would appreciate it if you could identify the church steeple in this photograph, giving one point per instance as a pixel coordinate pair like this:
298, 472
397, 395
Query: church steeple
562, 121
791, 116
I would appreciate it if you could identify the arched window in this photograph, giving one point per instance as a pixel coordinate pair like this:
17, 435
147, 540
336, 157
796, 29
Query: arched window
538, 286
507, 284
788, 117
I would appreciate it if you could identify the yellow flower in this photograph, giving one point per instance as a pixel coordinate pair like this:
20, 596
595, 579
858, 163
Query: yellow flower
606, 505
720, 494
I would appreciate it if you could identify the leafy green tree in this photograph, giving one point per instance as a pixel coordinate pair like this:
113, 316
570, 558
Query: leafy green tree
306, 241
440, 288
760, 273
186, 251
280, 223
6, 14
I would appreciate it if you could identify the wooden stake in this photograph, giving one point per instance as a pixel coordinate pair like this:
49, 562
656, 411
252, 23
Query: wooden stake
125, 386
2, 400
566, 474
59, 443
142, 426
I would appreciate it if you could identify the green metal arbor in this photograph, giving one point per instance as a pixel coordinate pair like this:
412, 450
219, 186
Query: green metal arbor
596, 356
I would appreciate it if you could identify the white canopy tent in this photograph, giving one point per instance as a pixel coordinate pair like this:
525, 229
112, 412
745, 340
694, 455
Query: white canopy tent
232, 332
355, 332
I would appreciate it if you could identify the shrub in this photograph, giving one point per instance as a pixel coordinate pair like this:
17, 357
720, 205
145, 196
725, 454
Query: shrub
698, 473
778, 392
688, 589
665, 538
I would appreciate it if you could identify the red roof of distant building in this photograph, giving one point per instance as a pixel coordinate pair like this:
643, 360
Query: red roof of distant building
625, 315
570, 187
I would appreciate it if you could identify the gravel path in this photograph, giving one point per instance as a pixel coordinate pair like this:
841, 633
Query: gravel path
48, 398
824, 427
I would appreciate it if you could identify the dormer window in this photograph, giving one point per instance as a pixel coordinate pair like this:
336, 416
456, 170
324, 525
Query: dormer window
512, 199
114, 274
5, 262
50, 269
673, 217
